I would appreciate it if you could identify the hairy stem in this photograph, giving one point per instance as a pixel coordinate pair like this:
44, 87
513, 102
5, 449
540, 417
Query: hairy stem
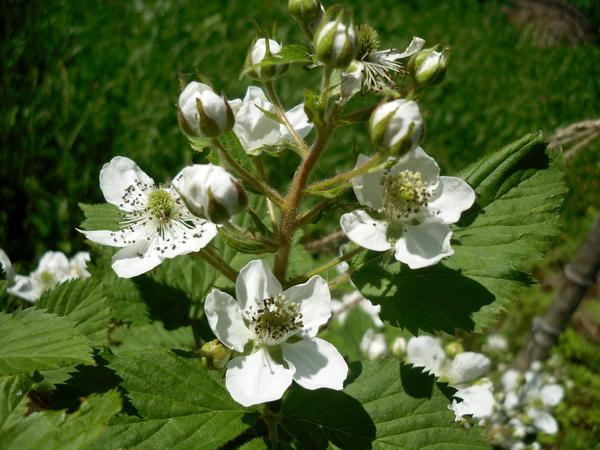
371, 163
211, 257
312, 213
267, 190
328, 265
261, 171
301, 146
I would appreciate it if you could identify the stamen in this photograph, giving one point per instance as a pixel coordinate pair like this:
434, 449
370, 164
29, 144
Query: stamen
275, 320
161, 205
404, 195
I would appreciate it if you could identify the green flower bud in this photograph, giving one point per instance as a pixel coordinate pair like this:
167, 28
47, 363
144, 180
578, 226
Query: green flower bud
396, 126
428, 66
453, 348
215, 354
305, 10
335, 40
202, 113
209, 191
261, 49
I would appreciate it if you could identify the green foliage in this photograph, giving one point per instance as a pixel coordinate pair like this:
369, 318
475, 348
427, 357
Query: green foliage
137, 337
84, 303
103, 216
387, 405
51, 430
179, 404
519, 191
34, 340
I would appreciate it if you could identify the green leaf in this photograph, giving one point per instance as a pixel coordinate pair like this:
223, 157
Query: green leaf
347, 335
514, 220
33, 340
232, 144
152, 335
188, 274
57, 430
13, 400
180, 405
387, 405
84, 303
103, 216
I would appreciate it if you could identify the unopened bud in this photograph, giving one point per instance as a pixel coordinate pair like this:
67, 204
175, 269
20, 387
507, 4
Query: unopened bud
399, 346
257, 53
428, 66
215, 354
305, 10
202, 113
396, 126
335, 39
209, 191
453, 348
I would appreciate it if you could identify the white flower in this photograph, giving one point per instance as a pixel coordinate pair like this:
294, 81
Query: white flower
156, 224
257, 53
477, 401
53, 268
210, 191
7, 267
497, 343
373, 344
254, 129
427, 352
202, 112
412, 208
396, 126
282, 328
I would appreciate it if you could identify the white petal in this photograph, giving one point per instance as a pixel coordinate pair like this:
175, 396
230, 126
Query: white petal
452, 197
299, 121
124, 184
257, 378
315, 303
468, 366
426, 351
135, 260
26, 288
121, 238
365, 231
415, 45
367, 187
54, 262
226, 320
181, 241
7, 267
511, 380
317, 364
477, 401
552, 394
372, 310
418, 161
424, 244
373, 345
543, 421
78, 265
255, 283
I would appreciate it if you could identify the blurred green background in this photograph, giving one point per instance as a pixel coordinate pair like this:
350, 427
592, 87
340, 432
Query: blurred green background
83, 81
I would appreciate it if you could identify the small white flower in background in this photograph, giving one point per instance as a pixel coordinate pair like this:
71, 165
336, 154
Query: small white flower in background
209, 191
257, 54
355, 299
399, 346
335, 41
281, 327
373, 345
156, 224
411, 209
7, 267
255, 130
496, 343
202, 113
477, 401
534, 393
396, 126
53, 268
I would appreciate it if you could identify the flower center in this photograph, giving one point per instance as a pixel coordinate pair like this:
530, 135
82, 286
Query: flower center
161, 205
47, 279
404, 195
275, 320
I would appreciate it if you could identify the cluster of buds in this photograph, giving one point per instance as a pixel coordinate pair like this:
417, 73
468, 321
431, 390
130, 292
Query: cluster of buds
203, 113
209, 191
335, 40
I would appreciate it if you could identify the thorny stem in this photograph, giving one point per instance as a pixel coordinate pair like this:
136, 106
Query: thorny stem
247, 176
211, 257
261, 171
311, 214
301, 146
372, 162
289, 213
